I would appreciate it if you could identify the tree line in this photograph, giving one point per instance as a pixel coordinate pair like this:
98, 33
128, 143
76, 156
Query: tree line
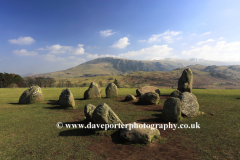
40, 81
7, 79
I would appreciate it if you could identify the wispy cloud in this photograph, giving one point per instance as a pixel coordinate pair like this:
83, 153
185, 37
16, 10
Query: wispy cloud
142, 41
207, 41
167, 36
220, 38
222, 51
107, 33
121, 43
148, 53
24, 52
22, 41
58, 49
79, 50
94, 56
206, 33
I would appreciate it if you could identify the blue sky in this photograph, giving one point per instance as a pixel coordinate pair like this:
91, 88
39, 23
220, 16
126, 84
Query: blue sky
50, 35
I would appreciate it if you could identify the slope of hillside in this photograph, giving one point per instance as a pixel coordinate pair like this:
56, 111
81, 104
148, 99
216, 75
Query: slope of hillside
201, 79
116, 66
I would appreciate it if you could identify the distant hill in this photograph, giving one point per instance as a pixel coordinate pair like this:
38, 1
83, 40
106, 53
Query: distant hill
29, 74
119, 66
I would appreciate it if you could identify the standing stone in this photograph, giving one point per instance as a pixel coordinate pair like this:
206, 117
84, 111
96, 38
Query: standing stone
171, 110
94, 91
185, 81
146, 89
31, 95
138, 134
103, 114
66, 99
88, 111
149, 98
189, 106
111, 90
130, 98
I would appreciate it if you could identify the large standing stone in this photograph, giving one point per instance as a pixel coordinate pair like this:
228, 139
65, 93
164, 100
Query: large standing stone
149, 98
146, 89
111, 90
130, 98
176, 94
138, 134
189, 106
171, 110
94, 91
185, 81
66, 99
31, 95
103, 114
88, 111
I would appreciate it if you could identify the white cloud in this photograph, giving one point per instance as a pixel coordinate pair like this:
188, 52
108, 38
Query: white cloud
206, 33
51, 57
107, 33
204, 24
94, 56
24, 52
148, 53
222, 51
58, 49
41, 49
184, 43
71, 57
22, 40
167, 36
179, 38
194, 34
70, 61
76, 62
220, 38
121, 43
79, 50
142, 41
202, 42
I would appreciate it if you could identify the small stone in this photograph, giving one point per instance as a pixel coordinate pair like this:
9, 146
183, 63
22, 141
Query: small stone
130, 97
146, 89
66, 99
149, 98
31, 95
138, 134
111, 90
88, 111
94, 91
172, 110
103, 114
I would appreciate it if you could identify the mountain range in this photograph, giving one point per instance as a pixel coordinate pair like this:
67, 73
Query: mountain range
120, 66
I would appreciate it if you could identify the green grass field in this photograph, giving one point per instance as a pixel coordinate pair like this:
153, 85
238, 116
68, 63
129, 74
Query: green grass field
29, 131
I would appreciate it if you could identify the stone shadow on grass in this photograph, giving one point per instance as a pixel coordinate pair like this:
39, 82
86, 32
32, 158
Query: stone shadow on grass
16, 104
55, 105
237, 98
116, 138
78, 131
151, 120
79, 99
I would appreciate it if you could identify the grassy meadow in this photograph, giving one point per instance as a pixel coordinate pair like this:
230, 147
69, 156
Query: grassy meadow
30, 132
